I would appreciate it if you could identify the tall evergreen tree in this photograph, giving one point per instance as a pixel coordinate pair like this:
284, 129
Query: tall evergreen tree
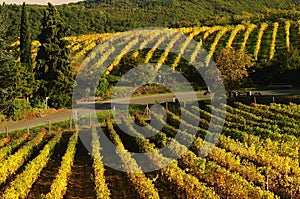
12, 77
53, 69
25, 55
25, 40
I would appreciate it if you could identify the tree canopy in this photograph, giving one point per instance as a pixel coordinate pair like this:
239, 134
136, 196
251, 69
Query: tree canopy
98, 16
233, 66
53, 67
13, 79
25, 40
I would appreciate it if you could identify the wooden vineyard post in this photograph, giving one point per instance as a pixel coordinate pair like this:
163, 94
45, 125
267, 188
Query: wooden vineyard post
147, 111
6, 131
70, 122
90, 116
75, 117
49, 125
27, 128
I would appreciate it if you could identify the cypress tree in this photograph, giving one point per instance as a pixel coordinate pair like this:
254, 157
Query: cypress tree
53, 69
25, 40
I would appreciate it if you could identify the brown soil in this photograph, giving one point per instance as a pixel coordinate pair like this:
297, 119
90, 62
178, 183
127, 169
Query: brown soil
48, 174
164, 189
119, 184
81, 182
34, 154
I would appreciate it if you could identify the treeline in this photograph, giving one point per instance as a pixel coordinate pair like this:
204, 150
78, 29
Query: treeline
51, 81
100, 16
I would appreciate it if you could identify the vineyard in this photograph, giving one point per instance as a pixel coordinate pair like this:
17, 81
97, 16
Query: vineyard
260, 40
256, 156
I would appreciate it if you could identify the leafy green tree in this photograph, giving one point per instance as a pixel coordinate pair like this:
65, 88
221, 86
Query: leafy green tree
288, 59
25, 40
286, 66
53, 69
13, 83
233, 66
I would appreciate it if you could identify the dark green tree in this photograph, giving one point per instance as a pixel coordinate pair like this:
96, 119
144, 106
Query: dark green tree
6, 60
12, 77
25, 40
286, 65
288, 59
53, 69
25, 54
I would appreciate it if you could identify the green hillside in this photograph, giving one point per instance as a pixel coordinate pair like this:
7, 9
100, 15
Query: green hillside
265, 42
98, 16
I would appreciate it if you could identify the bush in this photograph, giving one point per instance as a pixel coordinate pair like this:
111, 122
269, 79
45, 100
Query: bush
37, 103
60, 101
2, 117
19, 107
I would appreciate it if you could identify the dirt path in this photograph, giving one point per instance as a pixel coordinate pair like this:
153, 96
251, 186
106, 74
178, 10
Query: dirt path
119, 185
81, 182
88, 107
164, 190
48, 174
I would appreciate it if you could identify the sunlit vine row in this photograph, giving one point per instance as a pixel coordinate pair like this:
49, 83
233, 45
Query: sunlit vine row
144, 44
59, 185
261, 137
292, 110
20, 187
259, 153
234, 32
265, 154
262, 29
124, 51
274, 34
153, 49
8, 149
235, 186
164, 55
211, 31
3, 141
226, 159
101, 186
143, 186
196, 32
268, 114
249, 30
15, 161
284, 145
213, 47
287, 33
172, 172
287, 127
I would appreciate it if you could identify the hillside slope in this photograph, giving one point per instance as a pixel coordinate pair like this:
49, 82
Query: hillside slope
98, 16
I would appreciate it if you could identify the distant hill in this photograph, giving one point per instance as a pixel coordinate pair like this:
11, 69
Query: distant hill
98, 16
